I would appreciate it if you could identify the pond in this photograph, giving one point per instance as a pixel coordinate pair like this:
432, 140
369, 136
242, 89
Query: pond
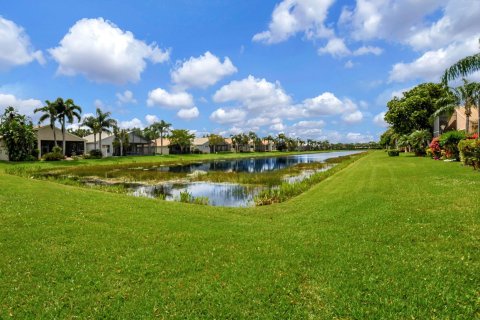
231, 183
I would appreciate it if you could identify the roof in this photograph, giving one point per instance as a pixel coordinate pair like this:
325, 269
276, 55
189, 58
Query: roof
46, 133
157, 142
200, 141
90, 138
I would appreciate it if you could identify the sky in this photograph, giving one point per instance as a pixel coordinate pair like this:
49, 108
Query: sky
313, 69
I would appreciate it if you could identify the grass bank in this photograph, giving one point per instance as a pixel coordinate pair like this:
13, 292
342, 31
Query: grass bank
385, 238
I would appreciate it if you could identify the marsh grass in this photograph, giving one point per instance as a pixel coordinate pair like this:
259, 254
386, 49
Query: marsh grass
287, 190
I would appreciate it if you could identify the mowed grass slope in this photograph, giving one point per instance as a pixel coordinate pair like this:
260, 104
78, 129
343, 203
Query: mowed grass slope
384, 238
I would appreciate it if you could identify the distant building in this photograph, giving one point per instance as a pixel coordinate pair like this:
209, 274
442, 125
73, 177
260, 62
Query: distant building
157, 145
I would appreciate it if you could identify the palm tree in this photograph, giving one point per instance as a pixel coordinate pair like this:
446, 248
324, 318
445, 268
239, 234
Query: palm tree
162, 128
67, 111
91, 123
50, 113
462, 67
121, 138
104, 123
467, 95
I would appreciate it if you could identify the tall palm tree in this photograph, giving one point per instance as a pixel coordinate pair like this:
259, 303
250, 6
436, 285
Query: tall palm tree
162, 128
66, 112
104, 123
50, 113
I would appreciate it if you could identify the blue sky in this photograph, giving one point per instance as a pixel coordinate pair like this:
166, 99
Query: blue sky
319, 69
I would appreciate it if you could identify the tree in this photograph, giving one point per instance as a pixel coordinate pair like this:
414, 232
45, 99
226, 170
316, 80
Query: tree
92, 124
413, 111
419, 140
182, 138
161, 128
17, 132
80, 132
104, 123
215, 139
462, 67
49, 112
66, 112
121, 139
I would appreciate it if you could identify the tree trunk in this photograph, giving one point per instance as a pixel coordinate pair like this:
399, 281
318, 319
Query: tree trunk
467, 124
95, 140
121, 147
63, 138
100, 141
161, 143
54, 135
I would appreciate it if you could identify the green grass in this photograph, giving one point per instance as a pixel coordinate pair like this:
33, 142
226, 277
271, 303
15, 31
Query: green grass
385, 238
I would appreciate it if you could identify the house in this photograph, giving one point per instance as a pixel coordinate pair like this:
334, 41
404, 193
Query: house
203, 145
74, 145
456, 121
157, 146
265, 146
136, 145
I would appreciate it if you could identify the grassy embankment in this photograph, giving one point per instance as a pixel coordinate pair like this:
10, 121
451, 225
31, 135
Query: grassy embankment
384, 238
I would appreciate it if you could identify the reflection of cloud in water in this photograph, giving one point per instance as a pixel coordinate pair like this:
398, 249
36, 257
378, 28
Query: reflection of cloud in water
219, 194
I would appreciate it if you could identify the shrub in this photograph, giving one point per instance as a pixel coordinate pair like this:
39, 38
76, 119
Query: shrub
469, 151
393, 153
53, 156
449, 141
95, 154
435, 149
56, 149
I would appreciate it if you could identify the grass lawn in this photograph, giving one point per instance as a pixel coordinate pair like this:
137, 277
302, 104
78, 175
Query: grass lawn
385, 238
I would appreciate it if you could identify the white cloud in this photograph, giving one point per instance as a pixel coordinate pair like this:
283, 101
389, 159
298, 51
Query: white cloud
130, 124
431, 65
368, 50
253, 93
325, 104
202, 72
125, 97
223, 116
349, 64
335, 47
23, 106
354, 137
175, 100
353, 117
102, 52
309, 124
294, 16
379, 120
151, 119
15, 46
187, 114
278, 127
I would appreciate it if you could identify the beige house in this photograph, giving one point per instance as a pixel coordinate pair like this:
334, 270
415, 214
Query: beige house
266, 146
457, 121
74, 145
201, 144
159, 149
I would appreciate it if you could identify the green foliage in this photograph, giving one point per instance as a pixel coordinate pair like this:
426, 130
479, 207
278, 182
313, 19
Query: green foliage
413, 111
182, 138
463, 68
17, 133
469, 151
53, 156
419, 140
186, 197
449, 142
393, 153
95, 154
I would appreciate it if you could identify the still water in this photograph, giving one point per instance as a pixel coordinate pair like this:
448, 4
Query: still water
228, 194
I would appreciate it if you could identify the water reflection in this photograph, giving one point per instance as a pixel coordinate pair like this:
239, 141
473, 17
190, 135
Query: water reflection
250, 165
218, 194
